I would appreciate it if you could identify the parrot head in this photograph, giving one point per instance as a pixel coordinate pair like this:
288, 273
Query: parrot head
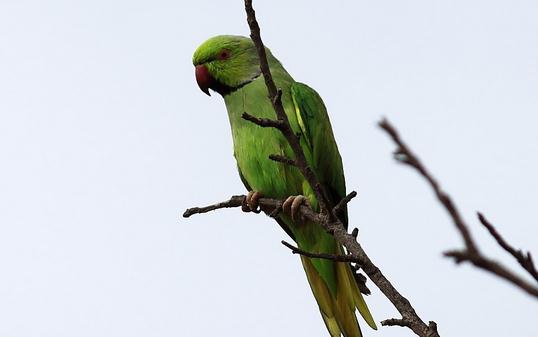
225, 62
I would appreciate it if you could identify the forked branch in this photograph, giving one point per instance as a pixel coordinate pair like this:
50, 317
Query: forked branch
327, 218
471, 253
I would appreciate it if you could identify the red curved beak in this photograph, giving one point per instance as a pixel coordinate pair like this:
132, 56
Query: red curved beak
203, 78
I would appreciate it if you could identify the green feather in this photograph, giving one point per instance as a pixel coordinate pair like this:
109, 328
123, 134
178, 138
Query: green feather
332, 283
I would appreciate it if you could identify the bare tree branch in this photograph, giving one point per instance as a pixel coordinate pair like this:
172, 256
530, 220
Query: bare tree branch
395, 322
405, 156
525, 260
333, 257
235, 201
355, 254
283, 159
327, 218
341, 206
275, 95
264, 122
471, 252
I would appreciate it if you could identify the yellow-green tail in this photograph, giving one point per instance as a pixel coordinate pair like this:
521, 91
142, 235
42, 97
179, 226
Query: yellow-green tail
338, 311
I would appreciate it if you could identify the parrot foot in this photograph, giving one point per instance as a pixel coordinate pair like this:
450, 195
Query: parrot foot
251, 202
292, 203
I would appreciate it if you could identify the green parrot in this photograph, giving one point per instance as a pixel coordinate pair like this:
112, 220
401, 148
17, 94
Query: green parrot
230, 66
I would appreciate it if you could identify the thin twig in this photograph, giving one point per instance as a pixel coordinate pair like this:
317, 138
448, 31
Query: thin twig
341, 206
395, 322
234, 201
405, 156
405, 323
263, 122
275, 95
283, 159
332, 257
525, 260
471, 252
267, 204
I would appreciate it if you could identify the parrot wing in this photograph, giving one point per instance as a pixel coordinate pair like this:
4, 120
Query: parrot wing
315, 128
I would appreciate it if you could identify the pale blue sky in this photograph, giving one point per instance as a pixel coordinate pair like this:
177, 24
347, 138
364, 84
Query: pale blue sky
105, 139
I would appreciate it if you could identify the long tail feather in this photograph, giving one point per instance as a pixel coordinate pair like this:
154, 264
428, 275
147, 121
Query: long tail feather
338, 311
332, 325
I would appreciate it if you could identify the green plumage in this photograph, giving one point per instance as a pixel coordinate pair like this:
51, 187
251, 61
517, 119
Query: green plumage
239, 80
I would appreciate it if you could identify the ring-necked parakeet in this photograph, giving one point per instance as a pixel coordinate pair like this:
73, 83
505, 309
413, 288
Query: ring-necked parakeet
229, 65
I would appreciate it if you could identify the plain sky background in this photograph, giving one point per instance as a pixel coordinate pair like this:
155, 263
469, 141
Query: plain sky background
105, 139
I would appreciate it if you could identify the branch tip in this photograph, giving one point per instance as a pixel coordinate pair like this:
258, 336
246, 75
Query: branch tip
325, 256
283, 159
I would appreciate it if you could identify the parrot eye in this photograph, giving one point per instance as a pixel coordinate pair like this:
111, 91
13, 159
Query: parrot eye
224, 54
